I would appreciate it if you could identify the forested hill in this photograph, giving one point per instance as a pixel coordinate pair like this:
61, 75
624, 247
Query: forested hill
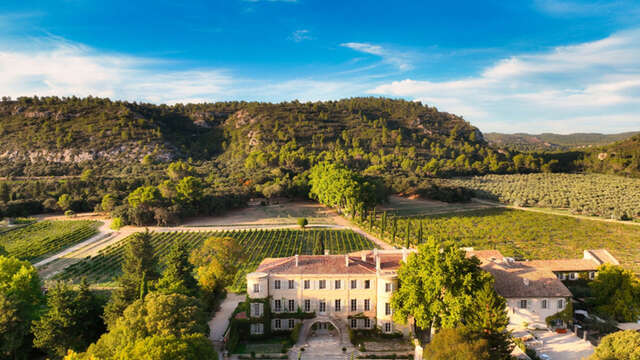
549, 141
621, 158
56, 136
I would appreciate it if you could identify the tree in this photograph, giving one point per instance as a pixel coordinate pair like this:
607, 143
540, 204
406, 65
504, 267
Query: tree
189, 189
190, 347
64, 201
621, 345
178, 170
157, 314
616, 293
144, 195
87, 175
72, 320
455, 344
302, 222
138, 266
489, 321
217, 261
438, 289
177, 277
108, 203
20, 302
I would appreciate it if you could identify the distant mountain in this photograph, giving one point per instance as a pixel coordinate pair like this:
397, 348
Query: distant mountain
549, 141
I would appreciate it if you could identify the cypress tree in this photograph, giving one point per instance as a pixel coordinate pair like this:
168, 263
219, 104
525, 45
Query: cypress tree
407, 234
395, 230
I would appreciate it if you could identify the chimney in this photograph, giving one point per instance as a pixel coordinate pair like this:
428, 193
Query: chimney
296, 260
404, 254
326, 252
377, 263
346, 260
363, 256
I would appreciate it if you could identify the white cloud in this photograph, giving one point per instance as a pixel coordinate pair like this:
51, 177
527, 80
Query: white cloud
300, 35
398, 59
564, 89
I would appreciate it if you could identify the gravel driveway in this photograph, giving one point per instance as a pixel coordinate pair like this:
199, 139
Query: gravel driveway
218, 325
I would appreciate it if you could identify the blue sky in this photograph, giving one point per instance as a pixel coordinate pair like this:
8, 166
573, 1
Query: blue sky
510, 66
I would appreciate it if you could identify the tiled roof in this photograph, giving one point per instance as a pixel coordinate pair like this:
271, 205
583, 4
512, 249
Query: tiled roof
603, 256
519, 280
564, 264
332, 264
485, 255
316, 264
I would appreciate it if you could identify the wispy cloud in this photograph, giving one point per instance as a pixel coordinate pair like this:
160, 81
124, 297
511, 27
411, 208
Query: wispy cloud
398, 59
558, 88
300, 35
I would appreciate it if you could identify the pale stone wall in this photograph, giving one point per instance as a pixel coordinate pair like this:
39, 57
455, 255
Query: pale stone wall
534, 313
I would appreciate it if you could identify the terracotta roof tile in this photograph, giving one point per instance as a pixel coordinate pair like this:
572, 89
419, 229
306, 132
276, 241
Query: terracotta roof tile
564, 264
519, 280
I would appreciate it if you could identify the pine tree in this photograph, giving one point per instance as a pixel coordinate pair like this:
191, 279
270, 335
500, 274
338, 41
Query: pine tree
139, 265
395, 230
489, 322
177, 277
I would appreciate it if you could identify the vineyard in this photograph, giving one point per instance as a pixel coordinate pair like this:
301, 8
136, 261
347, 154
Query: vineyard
586, 194
35, 241
258, 244
516, 233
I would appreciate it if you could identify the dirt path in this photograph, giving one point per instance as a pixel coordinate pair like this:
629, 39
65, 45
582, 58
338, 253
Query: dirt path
346, 224
220, 321
553, 212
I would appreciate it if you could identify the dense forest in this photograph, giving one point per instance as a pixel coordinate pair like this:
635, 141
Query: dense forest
148, 163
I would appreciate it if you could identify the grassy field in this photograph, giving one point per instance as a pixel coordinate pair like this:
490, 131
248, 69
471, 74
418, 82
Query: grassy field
401, 206
36, 241
601, 195
523, 234
105, 267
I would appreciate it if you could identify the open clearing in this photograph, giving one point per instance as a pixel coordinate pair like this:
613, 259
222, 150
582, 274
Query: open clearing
278, 214
401, 206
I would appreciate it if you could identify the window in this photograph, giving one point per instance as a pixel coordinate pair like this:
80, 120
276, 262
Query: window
322, 306
354, 304
544, 304
256, 288
307, 284
337, 305
367, 323
572, 276
367, 284
337, 284
291, 284
307, 306
523, 304
256, 309
278, 324
367, 305
354, 323
276, 284
354, 284
257, 329
560, 304
322, 284
292, 305
277, 306
387, 309
387, 287
387, 327
292, 323
592, 275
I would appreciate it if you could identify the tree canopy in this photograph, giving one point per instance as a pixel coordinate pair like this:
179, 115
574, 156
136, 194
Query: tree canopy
616, 293
621, 345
